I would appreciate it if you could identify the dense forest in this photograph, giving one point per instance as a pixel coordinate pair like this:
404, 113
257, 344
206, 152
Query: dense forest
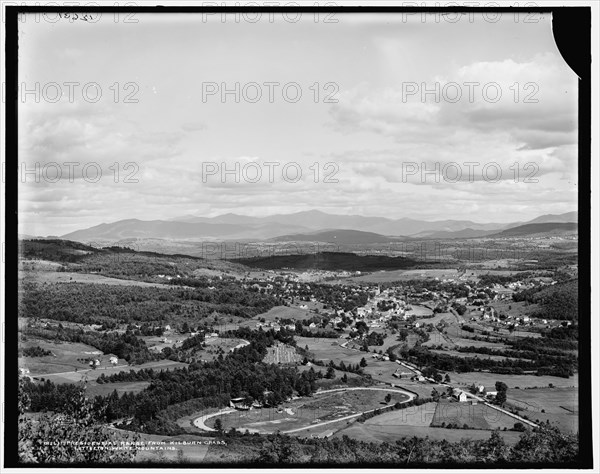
559, 301
333, 261
542, 364
94, 304
544, 445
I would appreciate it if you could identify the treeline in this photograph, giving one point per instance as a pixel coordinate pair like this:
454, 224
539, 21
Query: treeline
55, 250
559, 301
94, 304
533, 353
546, 345
564, 335
547, 362
331, 261
459, 290
374, 339
422, 357
124, 345
48, 396
335, 297
490, 279
542, 446
36, 351
342, 366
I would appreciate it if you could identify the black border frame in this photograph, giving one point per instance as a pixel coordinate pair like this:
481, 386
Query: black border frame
575, 47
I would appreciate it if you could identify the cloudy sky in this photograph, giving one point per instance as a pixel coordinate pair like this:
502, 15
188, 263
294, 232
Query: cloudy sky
346, 117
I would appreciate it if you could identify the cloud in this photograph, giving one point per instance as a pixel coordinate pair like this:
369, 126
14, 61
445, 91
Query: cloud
193, 127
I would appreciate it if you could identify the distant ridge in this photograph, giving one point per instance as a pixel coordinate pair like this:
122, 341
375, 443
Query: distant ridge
534, 229
300, 226
338, 236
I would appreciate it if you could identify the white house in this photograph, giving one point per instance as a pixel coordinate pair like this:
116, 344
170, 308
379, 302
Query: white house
459, 395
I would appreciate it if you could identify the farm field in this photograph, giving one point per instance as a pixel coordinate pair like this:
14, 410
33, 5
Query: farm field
480, 416
438, 338
285, 312
465, 342
330, 349
515, 308
64, 357
371, 431
472, 354
282, 354
400, 275
92, 278
217, 345
158, 343
522, 381
383, 370
93, 389
93, 374
560, 405
424, 314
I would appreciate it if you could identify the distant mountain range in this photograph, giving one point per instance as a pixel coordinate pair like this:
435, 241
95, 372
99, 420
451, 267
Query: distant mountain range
306, 226
339, 236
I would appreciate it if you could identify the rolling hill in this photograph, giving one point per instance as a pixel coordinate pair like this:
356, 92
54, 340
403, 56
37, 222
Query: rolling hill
547, 228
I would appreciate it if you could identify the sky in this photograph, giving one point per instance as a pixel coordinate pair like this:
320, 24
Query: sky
390, 115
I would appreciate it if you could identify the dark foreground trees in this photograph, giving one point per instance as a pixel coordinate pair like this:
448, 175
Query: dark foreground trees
75, 437
546, 445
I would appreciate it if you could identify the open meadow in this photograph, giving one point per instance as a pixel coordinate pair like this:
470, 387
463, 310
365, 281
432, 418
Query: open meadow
522, 381
478, 416
559, 406
65, 357
414, 421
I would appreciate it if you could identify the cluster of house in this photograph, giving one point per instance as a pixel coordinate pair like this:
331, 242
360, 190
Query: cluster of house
396, 306
488, 313
275, 326
113, 360
244, 403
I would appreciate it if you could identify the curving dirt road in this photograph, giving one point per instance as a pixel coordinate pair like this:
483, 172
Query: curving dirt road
200, 421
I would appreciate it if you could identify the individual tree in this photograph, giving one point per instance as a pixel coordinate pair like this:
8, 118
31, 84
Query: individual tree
447, 378
218, 425
501, 389
330, 373
388, 398
363, 362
